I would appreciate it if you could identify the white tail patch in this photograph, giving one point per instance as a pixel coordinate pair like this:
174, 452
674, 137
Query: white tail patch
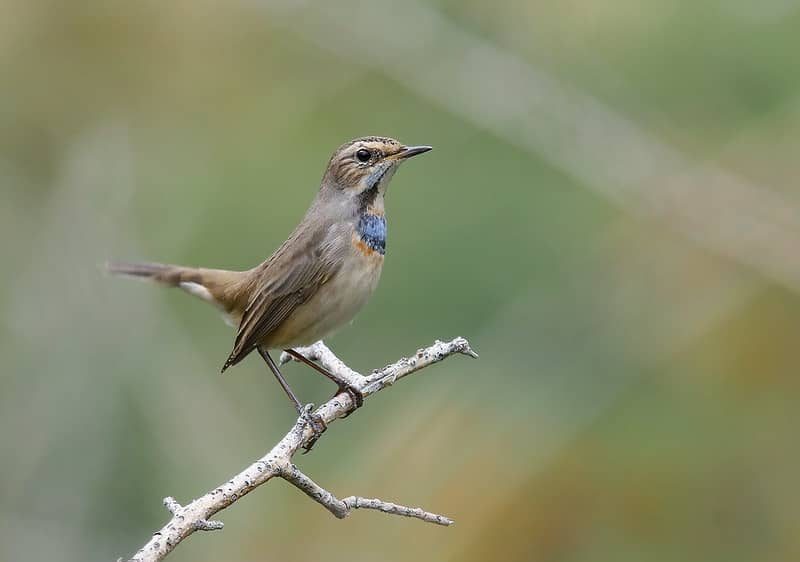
198, 290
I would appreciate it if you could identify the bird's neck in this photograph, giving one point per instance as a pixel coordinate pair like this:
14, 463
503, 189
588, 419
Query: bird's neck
370, 201
371, 228
371, 220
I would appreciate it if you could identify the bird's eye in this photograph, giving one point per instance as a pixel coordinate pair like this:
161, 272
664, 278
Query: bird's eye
363, 155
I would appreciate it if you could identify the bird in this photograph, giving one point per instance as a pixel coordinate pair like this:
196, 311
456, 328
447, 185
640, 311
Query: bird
318, 279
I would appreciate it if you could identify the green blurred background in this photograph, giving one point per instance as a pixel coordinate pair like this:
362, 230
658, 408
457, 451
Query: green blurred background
610, 215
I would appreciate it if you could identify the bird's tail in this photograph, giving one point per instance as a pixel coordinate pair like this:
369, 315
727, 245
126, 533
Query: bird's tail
170, 275
217, 286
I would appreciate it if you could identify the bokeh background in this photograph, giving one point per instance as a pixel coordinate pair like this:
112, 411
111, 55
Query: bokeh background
611, 215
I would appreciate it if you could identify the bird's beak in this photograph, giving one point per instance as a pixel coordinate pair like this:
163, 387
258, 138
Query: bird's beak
409, 151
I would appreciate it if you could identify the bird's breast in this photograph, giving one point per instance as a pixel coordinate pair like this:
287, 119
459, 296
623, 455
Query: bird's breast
337, 301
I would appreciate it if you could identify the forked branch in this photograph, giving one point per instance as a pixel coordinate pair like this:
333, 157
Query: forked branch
197, 515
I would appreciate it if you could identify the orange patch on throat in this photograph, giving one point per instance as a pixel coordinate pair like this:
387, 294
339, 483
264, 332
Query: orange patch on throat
365, 249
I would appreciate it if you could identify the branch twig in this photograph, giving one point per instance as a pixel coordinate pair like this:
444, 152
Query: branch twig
342, 508
196, 515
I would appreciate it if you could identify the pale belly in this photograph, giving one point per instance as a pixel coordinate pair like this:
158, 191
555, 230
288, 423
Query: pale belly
334, 305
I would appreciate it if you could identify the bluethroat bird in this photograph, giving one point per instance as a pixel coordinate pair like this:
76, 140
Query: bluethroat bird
318, 279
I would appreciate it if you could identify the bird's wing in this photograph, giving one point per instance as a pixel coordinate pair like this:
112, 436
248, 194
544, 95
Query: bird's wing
289, 278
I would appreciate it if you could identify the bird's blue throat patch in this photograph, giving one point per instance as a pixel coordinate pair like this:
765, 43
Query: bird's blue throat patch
372, 231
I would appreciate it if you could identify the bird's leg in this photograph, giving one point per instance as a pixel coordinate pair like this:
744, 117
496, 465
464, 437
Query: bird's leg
281, 380
315, 422
344, 386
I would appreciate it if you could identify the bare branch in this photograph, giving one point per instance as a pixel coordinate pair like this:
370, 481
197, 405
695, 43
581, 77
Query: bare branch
176, 509
320, 353
356, 502
342, 508
196, 515
172, 505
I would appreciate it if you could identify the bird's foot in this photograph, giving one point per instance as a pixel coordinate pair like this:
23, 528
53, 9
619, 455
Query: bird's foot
355, 395
315, 422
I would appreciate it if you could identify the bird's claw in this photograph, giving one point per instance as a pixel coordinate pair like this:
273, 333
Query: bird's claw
355, 395
316, 423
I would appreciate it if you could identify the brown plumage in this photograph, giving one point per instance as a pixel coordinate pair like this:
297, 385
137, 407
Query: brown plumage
322, 275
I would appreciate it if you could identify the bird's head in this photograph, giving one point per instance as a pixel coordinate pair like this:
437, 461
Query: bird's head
363, 167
